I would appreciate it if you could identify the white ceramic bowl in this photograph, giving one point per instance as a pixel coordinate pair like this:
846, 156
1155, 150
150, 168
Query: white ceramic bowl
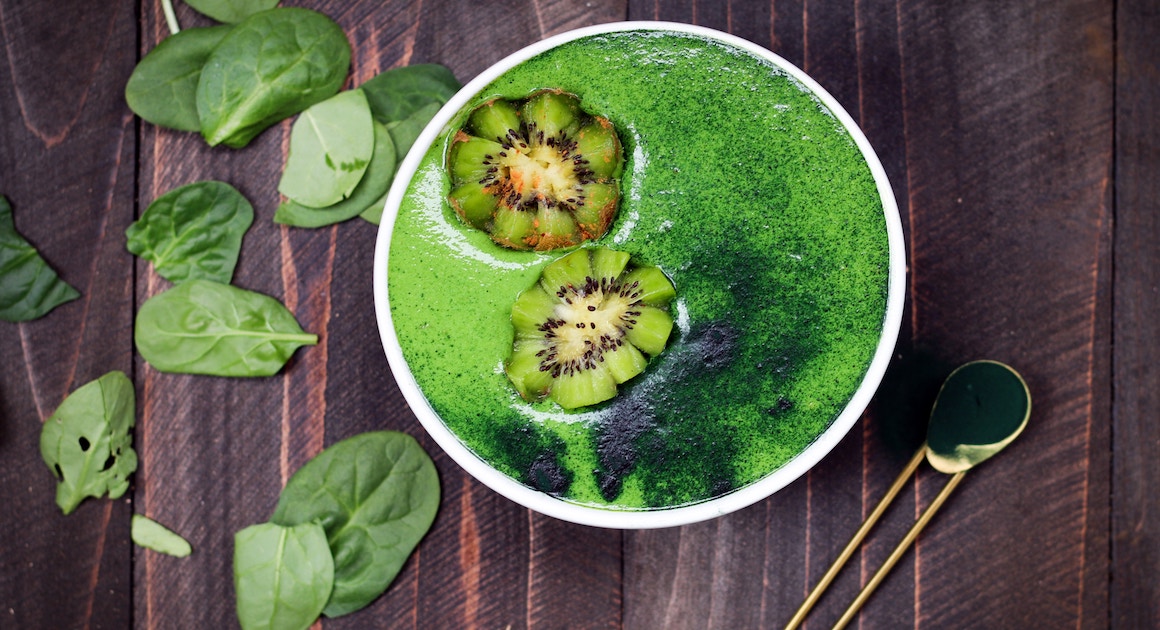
638, 519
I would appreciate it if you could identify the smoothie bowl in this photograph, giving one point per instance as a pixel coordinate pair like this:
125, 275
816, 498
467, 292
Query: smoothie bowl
731, 232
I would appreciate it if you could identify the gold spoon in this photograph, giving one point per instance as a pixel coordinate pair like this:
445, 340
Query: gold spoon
982, 407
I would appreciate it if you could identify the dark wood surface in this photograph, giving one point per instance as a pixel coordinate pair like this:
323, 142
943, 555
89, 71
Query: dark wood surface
1023, 144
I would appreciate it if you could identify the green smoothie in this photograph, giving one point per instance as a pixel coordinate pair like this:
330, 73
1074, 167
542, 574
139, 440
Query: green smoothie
750, 195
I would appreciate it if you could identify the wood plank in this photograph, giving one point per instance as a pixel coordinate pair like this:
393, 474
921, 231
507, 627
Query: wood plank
575, 575
1008, 155
461, 40
60, 97
1135, 592
722, 573
213, 452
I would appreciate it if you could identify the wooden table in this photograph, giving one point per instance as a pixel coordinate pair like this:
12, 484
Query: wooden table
1023, 144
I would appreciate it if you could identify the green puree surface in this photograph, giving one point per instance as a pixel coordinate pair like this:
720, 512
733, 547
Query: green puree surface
749, 195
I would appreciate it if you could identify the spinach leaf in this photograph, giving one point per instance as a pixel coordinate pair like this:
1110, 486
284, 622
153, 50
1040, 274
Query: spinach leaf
330, 146
231, 11
29, 288
403, 134
396, 94
163, 87
406, 131
204, 327
374, 212
88, 441
194, 231
376, 495
153, 535
282, 575
374, 184
269, 67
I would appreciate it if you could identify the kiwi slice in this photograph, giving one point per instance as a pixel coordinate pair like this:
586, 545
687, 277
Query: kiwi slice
589, 323
538, 173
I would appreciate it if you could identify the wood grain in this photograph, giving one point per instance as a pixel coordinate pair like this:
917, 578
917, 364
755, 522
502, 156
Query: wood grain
212, 455
993, 143
60, 97
1135, 593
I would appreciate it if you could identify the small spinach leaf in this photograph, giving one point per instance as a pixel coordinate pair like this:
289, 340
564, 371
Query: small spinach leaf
403, 134
29, 288
269, 67
153, 535
372, 187
231, 11
163, 87
194, 231
397, 93
406, 131
282, 575
88, 441
330, 147
205, 327
376, 495
374, 212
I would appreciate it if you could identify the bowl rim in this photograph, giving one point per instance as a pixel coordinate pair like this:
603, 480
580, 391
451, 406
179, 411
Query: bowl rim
663, 517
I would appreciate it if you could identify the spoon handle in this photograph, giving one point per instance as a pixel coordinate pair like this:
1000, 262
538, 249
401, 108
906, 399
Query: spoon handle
899, 551
852, 546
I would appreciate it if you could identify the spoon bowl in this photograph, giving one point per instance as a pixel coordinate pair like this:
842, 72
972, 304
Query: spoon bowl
982, 407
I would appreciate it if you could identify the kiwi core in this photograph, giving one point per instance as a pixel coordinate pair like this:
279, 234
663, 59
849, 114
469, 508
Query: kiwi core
591, 321
538, 175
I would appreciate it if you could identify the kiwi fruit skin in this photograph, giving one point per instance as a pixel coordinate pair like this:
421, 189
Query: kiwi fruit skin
538, 173
590, 323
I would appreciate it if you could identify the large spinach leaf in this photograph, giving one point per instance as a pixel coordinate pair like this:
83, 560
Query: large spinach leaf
282, 575
194, 231
397, 93
29, 288
163, 87
88, 441
370, 190
376, 495
270, 66
231, 11
153, 535
205, 327
330, 147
